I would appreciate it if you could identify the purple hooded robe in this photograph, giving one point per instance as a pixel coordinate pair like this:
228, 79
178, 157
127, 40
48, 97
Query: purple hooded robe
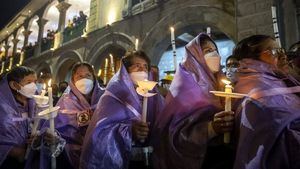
74, 116
14, 125
108, 142
183, 124
269, 120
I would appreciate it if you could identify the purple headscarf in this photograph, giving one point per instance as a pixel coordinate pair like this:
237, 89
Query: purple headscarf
183, 123
74, 106
269, 132
109, 139
14, 127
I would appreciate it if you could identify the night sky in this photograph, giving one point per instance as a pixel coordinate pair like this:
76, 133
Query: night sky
9, 8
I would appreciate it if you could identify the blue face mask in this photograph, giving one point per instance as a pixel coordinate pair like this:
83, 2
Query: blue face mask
231, 74
39, 87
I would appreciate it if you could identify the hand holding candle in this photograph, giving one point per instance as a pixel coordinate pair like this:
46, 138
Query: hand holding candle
228, 95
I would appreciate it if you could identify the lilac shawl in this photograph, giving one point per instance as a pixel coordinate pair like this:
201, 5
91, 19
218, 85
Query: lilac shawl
72, 104
183, 123
14, 128
268, 134
109, 138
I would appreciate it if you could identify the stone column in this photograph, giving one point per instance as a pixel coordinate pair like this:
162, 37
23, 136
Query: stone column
41, 22
15, 42
26, 34
6, 47
62, 8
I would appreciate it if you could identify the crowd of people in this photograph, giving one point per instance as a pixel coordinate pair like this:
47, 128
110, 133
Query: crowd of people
76, 26
102, 128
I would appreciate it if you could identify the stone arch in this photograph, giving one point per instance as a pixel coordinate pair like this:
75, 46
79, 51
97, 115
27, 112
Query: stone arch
65, 63
156, 41
116, 39
34, 28
51, 13
21, 38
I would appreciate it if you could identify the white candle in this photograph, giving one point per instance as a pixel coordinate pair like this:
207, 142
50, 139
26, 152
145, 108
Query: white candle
228, 89
112, 63
105, 71
136, 44
208, 31
145, 106
275, 25
173, 46
99, 72
51, 121
43, 90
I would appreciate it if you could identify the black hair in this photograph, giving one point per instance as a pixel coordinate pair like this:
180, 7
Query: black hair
231, 57
17, 74
63, 82
205, 38
79, 64
128, 58
251, 47
295, 47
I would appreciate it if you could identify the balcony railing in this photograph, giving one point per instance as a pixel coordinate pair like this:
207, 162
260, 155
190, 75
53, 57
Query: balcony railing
74, 32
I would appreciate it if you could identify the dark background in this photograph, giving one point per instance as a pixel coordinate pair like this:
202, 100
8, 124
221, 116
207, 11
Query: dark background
9, 8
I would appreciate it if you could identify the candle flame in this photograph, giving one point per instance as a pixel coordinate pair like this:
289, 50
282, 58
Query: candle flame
227, 82
172, 29
44, 86
111, 56
49, 82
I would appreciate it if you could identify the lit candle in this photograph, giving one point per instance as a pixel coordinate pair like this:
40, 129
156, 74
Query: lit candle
208, 31
112, 64
136, 44
51, 121
173, 46
228, 90
275, 25
105, 71
43, 90
99, 72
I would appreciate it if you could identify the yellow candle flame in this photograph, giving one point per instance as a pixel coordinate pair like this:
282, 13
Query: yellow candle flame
49, 83
44, 86
172, 29
227, 82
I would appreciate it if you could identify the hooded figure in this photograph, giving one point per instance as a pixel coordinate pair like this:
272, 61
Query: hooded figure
110, 136
268, 121
185, 126
76, 111
17, 110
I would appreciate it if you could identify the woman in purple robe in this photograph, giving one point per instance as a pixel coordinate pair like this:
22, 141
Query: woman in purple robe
191, 126
113, 139
76, 109
268, 121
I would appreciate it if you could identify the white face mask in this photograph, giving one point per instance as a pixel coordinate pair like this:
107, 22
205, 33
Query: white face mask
213, 61
28, 90
230, 74
84, 85
39, 87
138, 76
